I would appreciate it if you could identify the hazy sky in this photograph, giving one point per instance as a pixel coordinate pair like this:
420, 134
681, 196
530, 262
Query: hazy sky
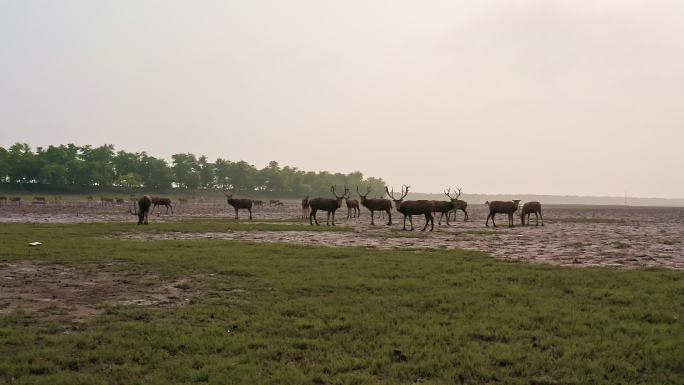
557, 97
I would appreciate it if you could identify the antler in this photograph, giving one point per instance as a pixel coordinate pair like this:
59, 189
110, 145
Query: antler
404, 192
459, 192
359, 192
332, 189
448, 193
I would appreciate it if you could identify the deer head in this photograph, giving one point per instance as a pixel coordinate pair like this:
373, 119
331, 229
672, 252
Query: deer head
362, 196
453, 199
404, 193
343, 196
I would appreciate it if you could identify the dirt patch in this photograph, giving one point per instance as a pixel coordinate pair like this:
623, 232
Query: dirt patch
77, 293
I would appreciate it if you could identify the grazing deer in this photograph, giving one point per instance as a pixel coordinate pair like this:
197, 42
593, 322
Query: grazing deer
239, 204
182, 201
411, 208
142, 208
305, 207
531, 208
258, 203
16, 200
328, 205
377, 204
444, 207
156, 201
119, 201
352, 208
39, 200
275, 202
501, 207
3, 199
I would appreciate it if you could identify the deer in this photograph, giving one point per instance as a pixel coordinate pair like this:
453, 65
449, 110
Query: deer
444, 207
157, 201
328, 205
106, 201
3, 199
305, 207
141, 208
376, 204
182, 201
239, 204
120, 201
258, 203
411, 208
502, 207
352, 208
39, 200
460, 205
275, 202
531, 208
16, 200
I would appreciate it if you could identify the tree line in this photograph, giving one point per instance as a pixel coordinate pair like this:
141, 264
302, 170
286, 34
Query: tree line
86, 168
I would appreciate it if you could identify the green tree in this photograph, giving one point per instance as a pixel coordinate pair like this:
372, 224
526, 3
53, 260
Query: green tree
185, 170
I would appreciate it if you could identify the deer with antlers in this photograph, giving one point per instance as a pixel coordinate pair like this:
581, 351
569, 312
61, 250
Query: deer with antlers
377, 204
239, 204
156, 201
305, 207
411, 208
531, 208
328, 205
502, 207
445, 207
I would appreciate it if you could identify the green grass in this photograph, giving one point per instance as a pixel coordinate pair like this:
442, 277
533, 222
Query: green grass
281, 314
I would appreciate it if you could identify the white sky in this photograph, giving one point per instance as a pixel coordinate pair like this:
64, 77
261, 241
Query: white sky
548, 97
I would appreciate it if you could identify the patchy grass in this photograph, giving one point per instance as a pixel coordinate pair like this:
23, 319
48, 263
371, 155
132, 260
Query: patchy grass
282, 314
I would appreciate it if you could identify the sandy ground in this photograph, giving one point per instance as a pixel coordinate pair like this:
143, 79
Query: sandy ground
611, 236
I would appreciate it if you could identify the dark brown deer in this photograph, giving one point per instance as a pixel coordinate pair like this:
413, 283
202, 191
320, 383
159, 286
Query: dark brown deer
240, 204
3, 199
120, 201
460, 205
502, 207
352, 208
445, 207
275, 202
531, 208
142, 209
376, 204
157, 201
305, 207
258, 203
411, 208
328, 205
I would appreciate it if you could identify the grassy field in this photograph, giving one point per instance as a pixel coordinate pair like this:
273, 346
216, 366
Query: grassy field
281, 314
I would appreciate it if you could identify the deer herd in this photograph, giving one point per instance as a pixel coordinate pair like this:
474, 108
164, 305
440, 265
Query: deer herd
311, 206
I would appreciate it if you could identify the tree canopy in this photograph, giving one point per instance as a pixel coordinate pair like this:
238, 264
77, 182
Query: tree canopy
86, 167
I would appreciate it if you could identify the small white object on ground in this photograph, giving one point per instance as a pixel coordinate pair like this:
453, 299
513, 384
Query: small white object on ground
35, 244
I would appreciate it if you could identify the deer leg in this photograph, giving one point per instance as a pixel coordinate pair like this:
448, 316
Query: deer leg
236, 213
327, 221
312, 214
493, 223
487, 223
404, 229
542, 217
250, 213
432, 221
333, 215
449, 224
536, 216
411, 221
372, 218
389, 214
171, 209
510, 220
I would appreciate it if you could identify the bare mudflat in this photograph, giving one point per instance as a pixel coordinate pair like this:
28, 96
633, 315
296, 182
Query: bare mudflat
609, 236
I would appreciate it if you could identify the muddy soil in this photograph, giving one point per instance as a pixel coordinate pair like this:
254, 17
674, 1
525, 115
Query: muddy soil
612, 236
77, 293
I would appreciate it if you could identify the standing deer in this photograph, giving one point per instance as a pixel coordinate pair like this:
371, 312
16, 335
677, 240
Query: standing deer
460, 205
39, 200
156, 201
531, 208
258, 203
106, 201
445, 207
305, 207
239, 204
377, 204
352, 208
501, 207
142, 208
328, 205
411, 208
16, 200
